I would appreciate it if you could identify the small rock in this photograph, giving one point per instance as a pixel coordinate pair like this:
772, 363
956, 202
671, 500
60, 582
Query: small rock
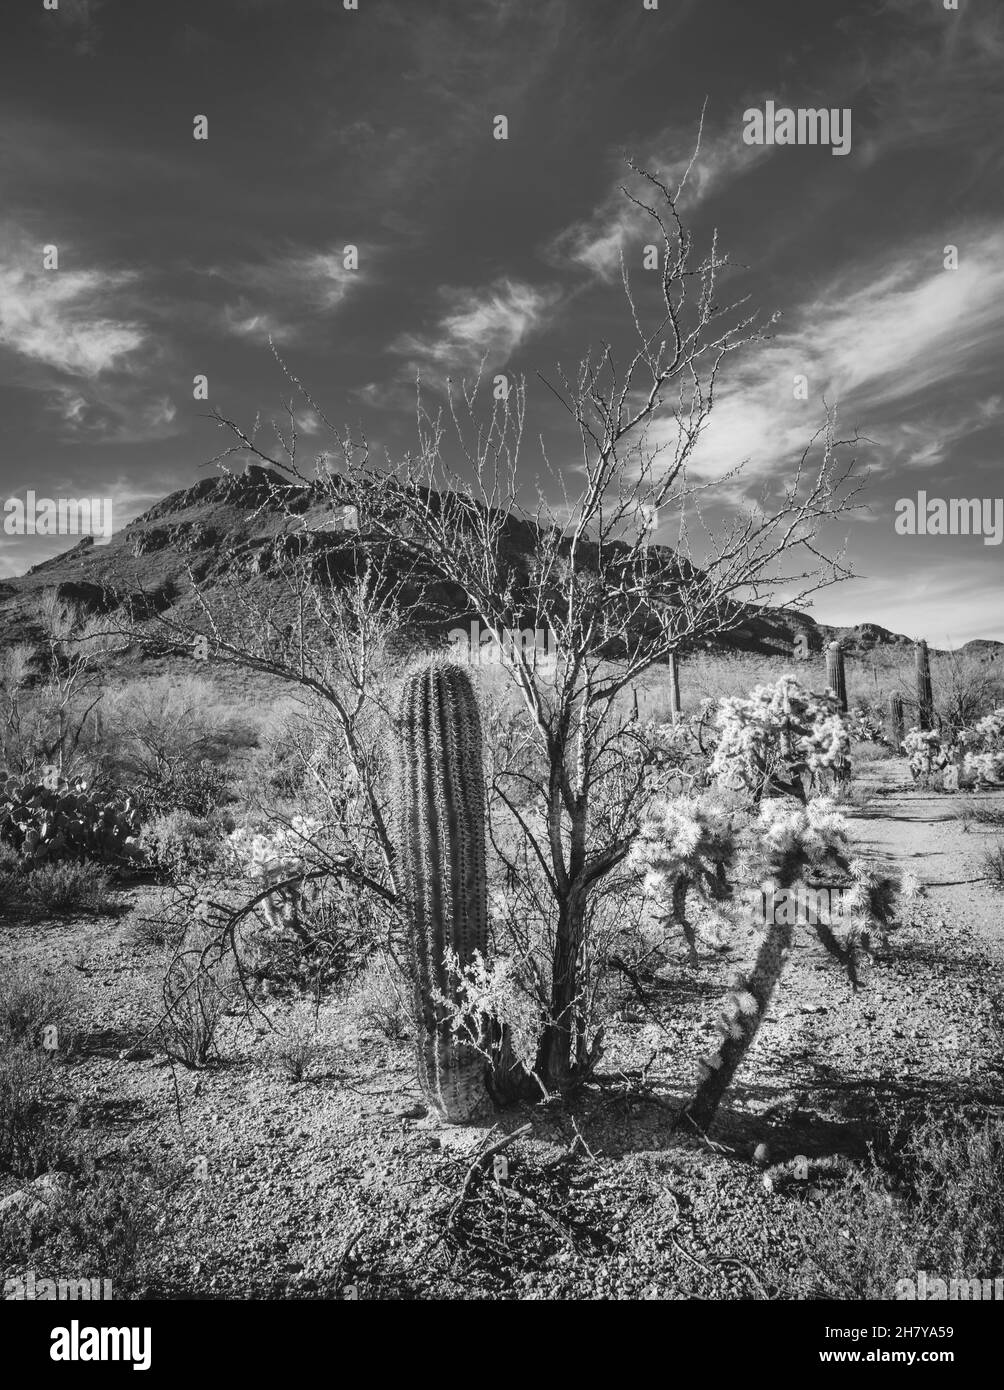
761, 1155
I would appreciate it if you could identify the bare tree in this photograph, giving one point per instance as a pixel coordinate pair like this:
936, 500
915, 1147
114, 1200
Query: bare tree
575, 776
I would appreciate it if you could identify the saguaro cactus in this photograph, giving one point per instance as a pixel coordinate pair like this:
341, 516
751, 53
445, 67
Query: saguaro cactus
442, 865
925, 692
896, 727
674, 687
835, 677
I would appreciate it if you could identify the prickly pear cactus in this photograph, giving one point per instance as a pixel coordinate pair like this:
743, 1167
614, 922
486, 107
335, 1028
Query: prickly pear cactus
836, 678
442, 867
54, 819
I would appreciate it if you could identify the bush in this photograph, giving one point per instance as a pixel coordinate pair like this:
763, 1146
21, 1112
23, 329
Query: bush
197, 790
181, 845
32, 1140
379, 1002
109, 1226
982, 812
70, 888
197, 996
297, 1046
930, 1197
993, 867
30, 1002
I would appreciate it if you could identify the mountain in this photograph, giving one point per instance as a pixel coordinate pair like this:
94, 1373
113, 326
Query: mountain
231, 525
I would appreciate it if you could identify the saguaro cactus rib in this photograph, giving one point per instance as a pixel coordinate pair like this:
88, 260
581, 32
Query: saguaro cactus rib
836, 677
925, 692
442, 857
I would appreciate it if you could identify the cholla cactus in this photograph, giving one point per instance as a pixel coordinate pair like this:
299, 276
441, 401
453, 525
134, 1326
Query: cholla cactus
442, 867
779, 734
926, 754
896, 725
273, 858
925, 693
836, 678
794, 841
683, 846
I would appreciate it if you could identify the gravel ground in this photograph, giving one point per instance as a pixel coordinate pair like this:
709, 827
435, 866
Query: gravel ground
339, 1186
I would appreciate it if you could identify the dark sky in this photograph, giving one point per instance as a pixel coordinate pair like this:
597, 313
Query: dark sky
374, 127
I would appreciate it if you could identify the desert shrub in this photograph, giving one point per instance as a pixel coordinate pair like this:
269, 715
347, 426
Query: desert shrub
33, 1139
109, 1225
930, 1196
298, 1043
29, 1002
378, 1002
197, 790
993, 867
180, 844
199, 988
971, 812
71, 887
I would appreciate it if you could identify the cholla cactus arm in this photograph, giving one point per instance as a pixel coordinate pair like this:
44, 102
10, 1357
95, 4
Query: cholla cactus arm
792, 838
442, 858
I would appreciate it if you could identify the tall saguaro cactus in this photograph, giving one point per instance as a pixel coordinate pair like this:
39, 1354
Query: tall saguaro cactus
835, 676
674, 687
925, 691
442, 865
896, 726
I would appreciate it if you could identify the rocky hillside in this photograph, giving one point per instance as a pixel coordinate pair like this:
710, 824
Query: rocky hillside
230, 525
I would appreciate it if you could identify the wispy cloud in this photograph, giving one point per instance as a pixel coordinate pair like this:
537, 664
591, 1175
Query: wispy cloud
490, 323
280, 296
597, 242
62, 318
882, 340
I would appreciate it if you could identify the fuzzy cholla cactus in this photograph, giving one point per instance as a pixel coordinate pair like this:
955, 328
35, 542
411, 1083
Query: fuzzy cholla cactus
686, 845
793, 842
442, 869
926, 755
779, 734
274, 857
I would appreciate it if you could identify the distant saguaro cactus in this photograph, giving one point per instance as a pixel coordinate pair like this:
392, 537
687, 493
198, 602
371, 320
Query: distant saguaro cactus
442, 865
896, 726
674, 687
836, 680
925, 691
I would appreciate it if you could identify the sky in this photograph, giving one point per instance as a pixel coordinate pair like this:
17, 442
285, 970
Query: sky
374, 127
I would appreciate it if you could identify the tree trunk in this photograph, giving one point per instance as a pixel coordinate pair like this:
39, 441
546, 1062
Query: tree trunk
557, 1044
743, 1025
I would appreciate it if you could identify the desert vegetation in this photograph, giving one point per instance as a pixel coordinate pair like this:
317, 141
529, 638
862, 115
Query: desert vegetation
542, 978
